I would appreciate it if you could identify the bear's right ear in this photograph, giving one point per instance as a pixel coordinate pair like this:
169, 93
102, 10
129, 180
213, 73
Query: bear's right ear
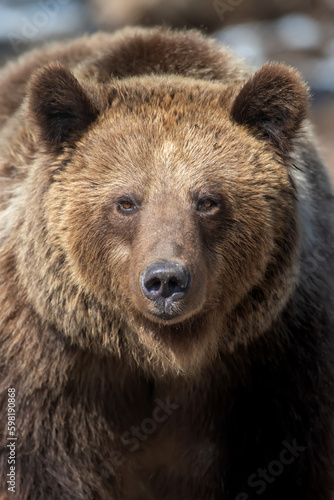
58, 106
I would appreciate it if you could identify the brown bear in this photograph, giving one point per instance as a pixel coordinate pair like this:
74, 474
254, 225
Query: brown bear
166, 276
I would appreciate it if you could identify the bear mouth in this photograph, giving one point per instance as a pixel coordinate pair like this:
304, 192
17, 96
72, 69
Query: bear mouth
165, 316
165, 309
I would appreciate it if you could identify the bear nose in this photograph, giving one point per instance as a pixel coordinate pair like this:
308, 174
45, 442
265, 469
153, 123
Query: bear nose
167, 280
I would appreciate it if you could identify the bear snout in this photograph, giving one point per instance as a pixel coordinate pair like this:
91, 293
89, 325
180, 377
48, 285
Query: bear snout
164, 283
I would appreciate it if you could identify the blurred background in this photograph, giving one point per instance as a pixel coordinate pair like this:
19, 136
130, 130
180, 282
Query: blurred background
297, 32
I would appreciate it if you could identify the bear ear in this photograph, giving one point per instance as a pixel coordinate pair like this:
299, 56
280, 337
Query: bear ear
273, 103
58, 106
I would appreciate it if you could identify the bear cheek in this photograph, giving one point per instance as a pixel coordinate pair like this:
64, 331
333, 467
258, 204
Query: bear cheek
238, 256
85, 236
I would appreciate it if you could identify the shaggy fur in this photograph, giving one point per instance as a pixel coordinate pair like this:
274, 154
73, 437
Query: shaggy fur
217, 170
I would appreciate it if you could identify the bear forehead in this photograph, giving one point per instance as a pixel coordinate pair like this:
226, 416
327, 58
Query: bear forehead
144, 94
169, 116
150, 158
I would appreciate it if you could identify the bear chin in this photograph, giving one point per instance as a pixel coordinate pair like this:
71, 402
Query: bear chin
183, 347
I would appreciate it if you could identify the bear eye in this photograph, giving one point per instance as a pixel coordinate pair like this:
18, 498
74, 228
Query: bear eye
206, 204
126, 206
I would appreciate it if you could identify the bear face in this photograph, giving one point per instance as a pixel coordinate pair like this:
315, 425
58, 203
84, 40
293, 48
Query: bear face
151, 201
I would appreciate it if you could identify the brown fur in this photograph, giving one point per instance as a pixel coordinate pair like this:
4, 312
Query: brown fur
164, 120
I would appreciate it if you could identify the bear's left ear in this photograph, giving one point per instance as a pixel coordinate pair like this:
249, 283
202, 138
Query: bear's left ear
58, 106
273, 104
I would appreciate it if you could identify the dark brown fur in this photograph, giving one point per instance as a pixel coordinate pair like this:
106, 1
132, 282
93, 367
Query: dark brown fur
244, 364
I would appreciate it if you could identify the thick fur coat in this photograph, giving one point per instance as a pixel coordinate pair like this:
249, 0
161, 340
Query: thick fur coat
166, 276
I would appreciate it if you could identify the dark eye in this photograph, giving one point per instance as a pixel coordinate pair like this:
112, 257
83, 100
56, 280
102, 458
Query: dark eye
127, 206
206, 204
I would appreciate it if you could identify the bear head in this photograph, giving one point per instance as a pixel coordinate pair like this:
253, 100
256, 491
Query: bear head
163, 212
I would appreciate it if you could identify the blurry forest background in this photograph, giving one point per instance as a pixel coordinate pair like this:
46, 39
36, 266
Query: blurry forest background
297, 32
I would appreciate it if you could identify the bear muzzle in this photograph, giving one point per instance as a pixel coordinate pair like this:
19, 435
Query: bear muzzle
164, 283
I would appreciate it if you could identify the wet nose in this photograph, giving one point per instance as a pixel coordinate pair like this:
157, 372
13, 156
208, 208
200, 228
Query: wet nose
165, 280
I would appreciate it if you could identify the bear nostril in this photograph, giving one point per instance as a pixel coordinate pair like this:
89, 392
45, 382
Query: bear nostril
153, 284
165, 280
175, 286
